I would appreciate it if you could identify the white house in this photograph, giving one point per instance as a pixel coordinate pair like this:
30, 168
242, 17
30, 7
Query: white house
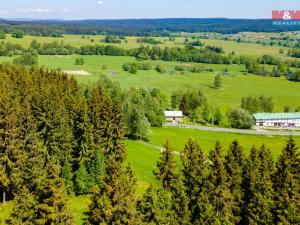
173, 116
277, 119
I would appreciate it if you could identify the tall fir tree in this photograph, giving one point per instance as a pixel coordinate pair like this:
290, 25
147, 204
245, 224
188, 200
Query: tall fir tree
8, 138
156, 207
166, 168
287, 185
234, 164
114, 201
195, 179
259, 194
219, 192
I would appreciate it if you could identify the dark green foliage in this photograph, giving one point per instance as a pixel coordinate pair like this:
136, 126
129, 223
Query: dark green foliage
217, 117
67, 175
166, 168
112, 39
257, 104
195, 179
2, 35
18, 34
143, 108
139, 127
221, 198
148, 40
188, 101
234, 164
240, 118
114, 201
96, 168
42, 201
79, 61
156, 207
82, 180
27, 59
259, 194
287, 185
160, 69
218, 82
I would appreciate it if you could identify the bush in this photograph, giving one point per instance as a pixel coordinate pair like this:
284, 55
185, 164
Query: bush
17, 34
2, 35
240, 119
26, 59
79, 61
160, 69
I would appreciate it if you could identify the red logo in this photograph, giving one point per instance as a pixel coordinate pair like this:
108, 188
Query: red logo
286, 14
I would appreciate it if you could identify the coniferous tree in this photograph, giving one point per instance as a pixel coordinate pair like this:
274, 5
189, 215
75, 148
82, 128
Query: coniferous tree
195, 178
8, 131
220, 195
82, 180
234, 164
156, 207
166, 168
287, 185
67, 175
259, 195
114, 201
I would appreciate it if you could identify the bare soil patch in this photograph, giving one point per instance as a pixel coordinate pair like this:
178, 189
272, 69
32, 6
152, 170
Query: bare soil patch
77, 72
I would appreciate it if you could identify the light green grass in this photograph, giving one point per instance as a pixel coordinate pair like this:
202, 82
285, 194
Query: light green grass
235, 85
179, 136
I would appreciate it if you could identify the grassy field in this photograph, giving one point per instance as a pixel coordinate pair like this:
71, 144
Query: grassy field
235, 84
249, 49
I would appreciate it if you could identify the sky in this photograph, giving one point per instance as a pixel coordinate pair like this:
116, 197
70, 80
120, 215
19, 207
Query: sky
125, 9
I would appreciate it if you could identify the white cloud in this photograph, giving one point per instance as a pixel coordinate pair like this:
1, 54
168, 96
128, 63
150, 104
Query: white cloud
38, 10
100, 2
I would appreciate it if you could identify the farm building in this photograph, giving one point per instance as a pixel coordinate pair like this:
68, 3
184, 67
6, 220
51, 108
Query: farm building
173, 116
277, 119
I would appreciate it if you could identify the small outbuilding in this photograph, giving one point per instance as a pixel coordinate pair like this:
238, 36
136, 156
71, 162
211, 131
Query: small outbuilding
173, 116
277, 119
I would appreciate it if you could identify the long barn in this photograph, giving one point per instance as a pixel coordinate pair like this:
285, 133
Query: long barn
277, 119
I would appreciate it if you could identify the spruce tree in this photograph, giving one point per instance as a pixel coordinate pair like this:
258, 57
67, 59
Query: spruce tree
220, 196
195, 179
8, 138
156, 207
234, 164
114, 201
82, 181
287, 185
42, 200
67, 175
259, 195
166, 168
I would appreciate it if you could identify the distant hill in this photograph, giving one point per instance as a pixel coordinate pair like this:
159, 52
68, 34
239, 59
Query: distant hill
144, 26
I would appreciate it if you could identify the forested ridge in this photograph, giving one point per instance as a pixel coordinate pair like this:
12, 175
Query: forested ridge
143, 27
58, 140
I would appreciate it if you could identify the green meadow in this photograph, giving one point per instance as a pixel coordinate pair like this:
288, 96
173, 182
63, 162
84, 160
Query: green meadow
236, 84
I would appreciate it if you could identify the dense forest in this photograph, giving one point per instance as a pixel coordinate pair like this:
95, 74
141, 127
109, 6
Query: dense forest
58, 140
142, 27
